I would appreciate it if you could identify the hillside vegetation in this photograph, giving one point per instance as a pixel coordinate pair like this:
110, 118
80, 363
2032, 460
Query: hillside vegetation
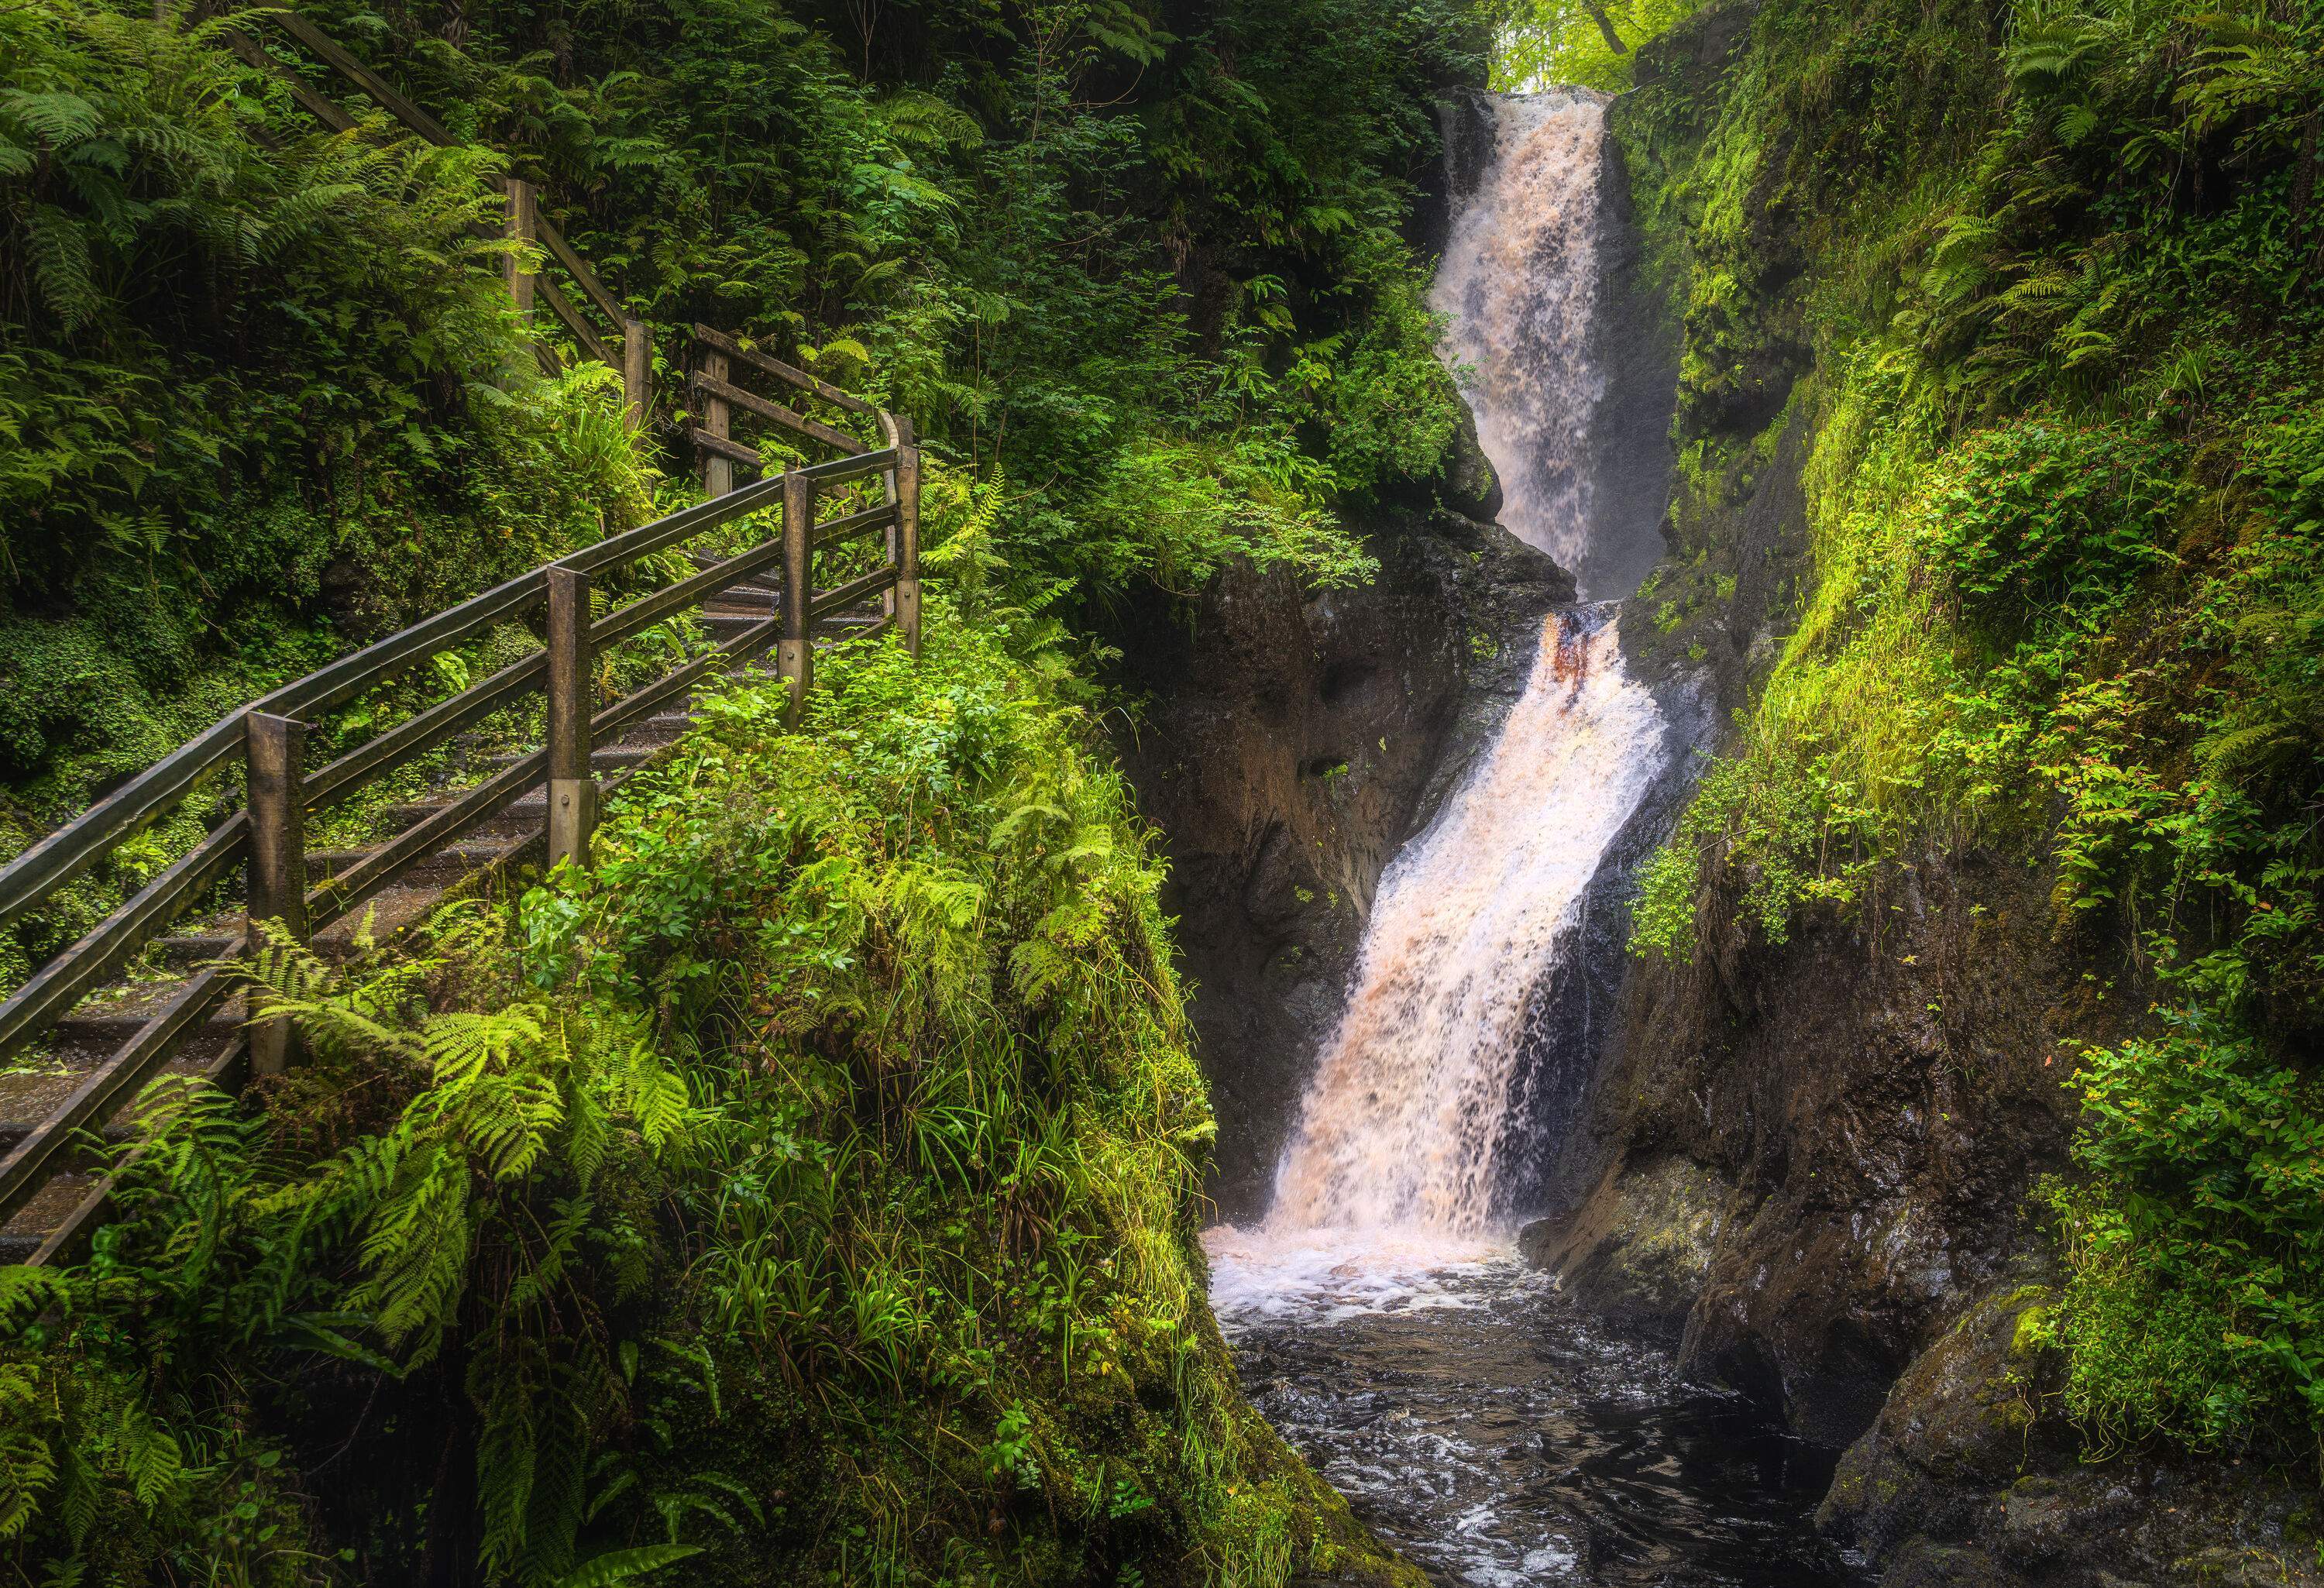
2040, 284
1138, 276
808, 1193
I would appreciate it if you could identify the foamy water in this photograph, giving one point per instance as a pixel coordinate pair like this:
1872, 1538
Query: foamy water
1521, 281
1328, 1276
1406, 1124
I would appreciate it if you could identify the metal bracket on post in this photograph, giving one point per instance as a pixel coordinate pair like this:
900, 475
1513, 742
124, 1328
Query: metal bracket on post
908, 535
274, 747
572, 791
795, 655
637, 369
523, 223
717, 473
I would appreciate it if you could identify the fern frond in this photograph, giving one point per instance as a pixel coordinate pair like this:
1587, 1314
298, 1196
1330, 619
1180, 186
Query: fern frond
621, 1565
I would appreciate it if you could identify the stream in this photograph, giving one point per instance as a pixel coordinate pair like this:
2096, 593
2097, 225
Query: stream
1497, 1436
1380, 1317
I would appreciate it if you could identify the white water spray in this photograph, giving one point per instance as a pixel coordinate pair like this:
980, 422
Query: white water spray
1405, 1136
1520, 283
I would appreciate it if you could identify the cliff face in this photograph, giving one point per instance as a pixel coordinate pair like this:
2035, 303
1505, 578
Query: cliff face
1810, 1154
1293, 741
1808, 1163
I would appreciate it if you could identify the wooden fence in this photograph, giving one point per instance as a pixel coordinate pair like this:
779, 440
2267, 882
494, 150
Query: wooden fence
620, 340
267, 837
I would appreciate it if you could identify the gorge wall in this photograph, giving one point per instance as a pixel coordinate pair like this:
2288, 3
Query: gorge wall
1810, 1163
1295, 739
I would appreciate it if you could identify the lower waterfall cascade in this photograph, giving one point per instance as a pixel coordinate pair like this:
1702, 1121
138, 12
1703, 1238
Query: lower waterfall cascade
1380, 1314
1407, 1119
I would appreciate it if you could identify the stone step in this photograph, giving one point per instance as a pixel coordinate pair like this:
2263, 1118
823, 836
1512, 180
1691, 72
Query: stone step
747, 606
654, 732
53, 1068
43, 1211
609, 758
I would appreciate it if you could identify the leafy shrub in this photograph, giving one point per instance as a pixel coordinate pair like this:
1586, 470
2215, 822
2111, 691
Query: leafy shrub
810, 1188
2195, 1305
2045, 517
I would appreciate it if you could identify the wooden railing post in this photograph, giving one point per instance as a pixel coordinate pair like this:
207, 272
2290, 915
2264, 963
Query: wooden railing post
637, 368
717, 473
523, 224
275, 747
572, 791
796, 654
908, 535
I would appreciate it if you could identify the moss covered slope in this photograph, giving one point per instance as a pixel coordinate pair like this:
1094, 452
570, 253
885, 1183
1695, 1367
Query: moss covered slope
2014, 309
810, 1194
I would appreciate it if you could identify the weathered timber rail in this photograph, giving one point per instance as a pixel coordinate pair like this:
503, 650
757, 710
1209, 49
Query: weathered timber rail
543, 800
622, 341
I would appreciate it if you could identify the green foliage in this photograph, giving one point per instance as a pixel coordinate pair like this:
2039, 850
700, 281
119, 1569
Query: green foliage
1090, 249
2196, 1300
811, 1189
1554, 43
240, 347
260, 398
2063, 506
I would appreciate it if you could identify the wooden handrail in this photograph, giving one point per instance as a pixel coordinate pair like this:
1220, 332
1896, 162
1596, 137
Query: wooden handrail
627, 334
855, 590
266, 736
363, 78
424, 732
552, 241
751, 402
672, 599
579, 329
39, 870
146, 1052
834, 530
711, 337
32, 876
68, 977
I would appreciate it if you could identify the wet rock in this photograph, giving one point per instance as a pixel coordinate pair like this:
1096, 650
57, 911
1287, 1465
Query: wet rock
1875, 1092
1967, 1477
1294, 739
1637, 1253
1469, 486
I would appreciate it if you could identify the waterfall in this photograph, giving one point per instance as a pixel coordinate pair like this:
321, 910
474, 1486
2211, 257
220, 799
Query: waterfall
1520, 285
1406, 1131
1406, 1119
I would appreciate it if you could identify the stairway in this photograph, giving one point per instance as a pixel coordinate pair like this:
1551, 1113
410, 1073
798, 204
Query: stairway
66, 1204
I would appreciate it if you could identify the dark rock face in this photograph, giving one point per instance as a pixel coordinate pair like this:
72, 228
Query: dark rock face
1295, 741
1963, 1481
1870, 1102
1635, 345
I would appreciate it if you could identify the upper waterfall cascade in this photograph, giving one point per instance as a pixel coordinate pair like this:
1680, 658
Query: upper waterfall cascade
1407, 1125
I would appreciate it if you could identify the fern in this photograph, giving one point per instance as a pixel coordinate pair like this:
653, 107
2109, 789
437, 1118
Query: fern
25, 1289
621, 1565
503, 1386
150, 1457
62, 267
